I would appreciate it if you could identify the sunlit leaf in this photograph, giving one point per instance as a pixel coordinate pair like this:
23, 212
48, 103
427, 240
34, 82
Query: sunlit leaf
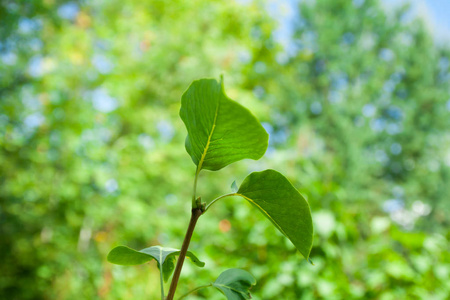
220, 131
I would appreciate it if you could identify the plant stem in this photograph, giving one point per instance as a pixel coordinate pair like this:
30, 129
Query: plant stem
162, 281
218, 198
196, 289
196, 213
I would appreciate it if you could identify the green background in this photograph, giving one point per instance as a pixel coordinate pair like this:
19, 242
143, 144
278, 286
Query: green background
92, 148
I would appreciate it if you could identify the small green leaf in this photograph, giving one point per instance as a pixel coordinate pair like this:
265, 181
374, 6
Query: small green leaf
234, 187
220, 131
235, 284
123, 255
168, 267
282, 204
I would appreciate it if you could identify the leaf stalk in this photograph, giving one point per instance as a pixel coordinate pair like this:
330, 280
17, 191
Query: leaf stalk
162, 280
194, 199
218, 198
196, 289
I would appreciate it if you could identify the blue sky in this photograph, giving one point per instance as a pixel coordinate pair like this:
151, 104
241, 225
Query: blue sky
435, 13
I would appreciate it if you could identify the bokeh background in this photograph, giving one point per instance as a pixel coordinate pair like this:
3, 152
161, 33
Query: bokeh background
355, 96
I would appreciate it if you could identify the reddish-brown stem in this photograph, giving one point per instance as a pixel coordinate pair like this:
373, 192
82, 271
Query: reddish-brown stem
196, 213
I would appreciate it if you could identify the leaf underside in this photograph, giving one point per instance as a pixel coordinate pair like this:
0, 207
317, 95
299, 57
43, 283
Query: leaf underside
125, 256
235, 284
220, 131
282, 204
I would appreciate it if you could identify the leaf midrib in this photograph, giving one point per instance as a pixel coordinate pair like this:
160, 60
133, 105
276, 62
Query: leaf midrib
266, 213
230, 288
205, 151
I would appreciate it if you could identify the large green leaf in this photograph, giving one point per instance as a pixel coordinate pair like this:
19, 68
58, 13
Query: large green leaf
282, 204
235, 284
220, 131
123, 255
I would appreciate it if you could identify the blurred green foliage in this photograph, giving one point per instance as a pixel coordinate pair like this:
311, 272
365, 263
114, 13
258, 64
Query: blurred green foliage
92, 148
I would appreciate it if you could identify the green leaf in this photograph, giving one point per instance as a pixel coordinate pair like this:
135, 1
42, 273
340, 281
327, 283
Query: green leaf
220, 131
123, 255
234, 187
282, 204
235, 284
168, 267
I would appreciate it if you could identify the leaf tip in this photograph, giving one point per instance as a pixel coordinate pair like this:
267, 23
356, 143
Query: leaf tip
310, 261
111, 254
234, 187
